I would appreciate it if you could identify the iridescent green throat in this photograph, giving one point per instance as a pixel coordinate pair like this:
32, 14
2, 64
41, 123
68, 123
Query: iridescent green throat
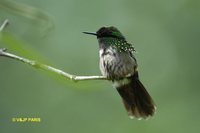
121, 44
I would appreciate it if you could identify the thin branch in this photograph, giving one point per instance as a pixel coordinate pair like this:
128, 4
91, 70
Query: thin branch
44, 66
4, 24
49, 68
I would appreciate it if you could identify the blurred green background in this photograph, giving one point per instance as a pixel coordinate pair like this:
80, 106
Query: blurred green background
164, 33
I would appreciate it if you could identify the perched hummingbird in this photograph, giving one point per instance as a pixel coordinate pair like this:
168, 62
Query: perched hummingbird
119, 65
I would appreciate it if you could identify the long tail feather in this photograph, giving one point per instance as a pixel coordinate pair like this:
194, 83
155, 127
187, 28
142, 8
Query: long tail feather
136, 99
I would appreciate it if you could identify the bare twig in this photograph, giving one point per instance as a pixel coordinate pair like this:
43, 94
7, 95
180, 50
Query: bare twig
50, 68
4, 24
44, 66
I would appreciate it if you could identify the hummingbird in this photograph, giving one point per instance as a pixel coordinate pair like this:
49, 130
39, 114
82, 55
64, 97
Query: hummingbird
118, 63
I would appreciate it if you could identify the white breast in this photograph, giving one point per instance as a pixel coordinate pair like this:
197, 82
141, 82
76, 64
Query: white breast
110, 58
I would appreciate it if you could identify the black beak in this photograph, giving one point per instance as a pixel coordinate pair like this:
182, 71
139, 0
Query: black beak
90, 33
